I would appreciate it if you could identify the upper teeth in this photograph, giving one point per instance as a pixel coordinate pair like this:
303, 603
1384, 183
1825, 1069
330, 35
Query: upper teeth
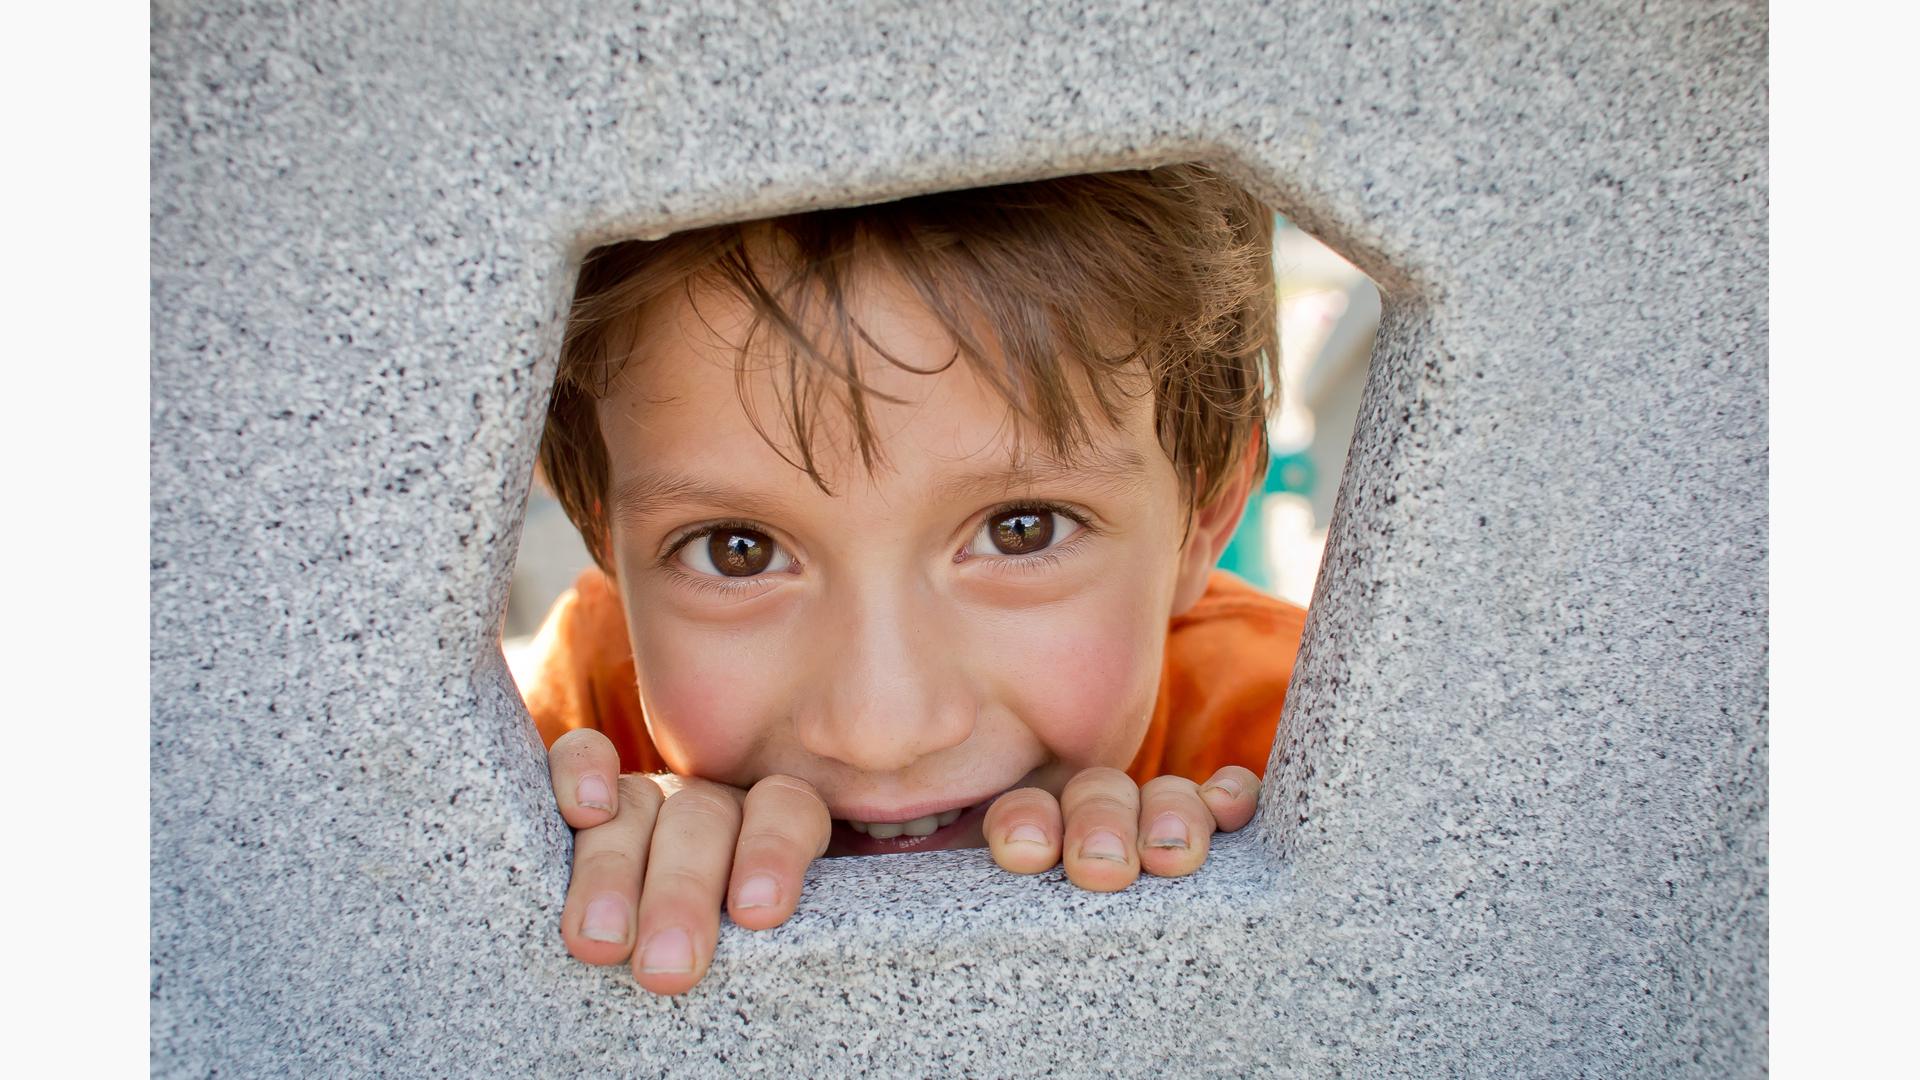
920, 826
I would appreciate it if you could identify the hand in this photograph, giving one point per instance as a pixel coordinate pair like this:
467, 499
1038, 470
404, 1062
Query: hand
1114, 829
649, 871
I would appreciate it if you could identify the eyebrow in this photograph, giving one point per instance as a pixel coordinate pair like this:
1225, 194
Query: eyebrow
1119, 470
652, 493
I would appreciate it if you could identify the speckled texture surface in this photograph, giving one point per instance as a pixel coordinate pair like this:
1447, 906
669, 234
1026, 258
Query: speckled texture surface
1518, 820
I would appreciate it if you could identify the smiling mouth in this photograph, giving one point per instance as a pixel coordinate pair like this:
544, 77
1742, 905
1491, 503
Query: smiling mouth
949, 829
920, 826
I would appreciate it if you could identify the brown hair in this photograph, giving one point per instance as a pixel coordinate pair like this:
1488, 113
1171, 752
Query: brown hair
1176, 259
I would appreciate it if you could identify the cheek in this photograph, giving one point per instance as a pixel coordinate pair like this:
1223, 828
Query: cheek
704, 717
1085, 694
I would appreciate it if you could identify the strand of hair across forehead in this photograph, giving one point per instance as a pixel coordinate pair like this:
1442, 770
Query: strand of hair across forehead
1173, 261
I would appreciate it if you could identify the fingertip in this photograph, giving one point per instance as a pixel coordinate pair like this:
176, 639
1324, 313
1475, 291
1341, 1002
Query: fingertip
761, 901
1233, 784
1235, 781
1102, 857
584, 748
1166, 864
1173, 837
582, 818
600, 932
1025, 847
597, 953
1232, 794
584, 768
1174, 861
668, 961
1023, 830
1102, 874
666, 984
758, 918
582, 800
592, 802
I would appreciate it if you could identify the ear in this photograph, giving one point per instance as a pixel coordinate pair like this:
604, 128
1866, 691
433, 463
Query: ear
1213, 527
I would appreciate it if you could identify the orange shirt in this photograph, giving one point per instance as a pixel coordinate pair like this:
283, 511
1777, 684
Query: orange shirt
1222, 683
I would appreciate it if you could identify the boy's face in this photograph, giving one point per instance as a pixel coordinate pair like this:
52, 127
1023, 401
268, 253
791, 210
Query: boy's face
954, 624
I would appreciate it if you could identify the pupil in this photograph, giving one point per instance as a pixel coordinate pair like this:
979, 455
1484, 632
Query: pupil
1022, 532
739, 552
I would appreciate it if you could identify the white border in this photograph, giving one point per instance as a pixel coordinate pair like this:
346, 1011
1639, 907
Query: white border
74, 80
1843, 546
1844, 397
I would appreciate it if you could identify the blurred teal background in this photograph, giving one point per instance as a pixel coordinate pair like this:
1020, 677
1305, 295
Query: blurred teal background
1328, 314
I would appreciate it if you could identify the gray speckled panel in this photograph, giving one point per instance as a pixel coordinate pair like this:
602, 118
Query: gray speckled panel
1517, 821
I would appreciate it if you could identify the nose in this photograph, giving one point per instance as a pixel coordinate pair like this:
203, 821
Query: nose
889, 688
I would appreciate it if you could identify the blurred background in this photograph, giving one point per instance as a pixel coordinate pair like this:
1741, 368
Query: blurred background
1328, 314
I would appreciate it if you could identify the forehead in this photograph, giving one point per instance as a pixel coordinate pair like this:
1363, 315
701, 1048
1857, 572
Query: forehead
698, 389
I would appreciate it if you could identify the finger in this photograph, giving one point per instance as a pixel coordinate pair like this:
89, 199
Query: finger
1175, 827
583, 765
608, 861
1233, 794
1102, 810
785, 825
1023, 831
679, 920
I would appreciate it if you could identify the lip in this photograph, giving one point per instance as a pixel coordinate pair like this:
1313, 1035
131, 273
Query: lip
846, 841
901, 814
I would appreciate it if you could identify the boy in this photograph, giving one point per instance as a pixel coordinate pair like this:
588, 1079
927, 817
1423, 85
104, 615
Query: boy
908, 517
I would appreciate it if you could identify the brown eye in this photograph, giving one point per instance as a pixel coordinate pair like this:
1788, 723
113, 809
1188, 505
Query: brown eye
739, 552
1021, 532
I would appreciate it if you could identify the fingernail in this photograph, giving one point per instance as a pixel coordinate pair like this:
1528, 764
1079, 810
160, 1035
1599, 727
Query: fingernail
760, 890
1103, 845
1027, 833
1231, 787
1168, 832
606, 920
593, 792
668, 952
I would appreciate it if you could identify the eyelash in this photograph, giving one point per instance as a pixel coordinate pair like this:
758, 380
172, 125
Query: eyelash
1039, 560
999, 564
718, 586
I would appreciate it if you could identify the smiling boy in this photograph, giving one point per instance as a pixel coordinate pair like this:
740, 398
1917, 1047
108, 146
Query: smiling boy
908, 516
